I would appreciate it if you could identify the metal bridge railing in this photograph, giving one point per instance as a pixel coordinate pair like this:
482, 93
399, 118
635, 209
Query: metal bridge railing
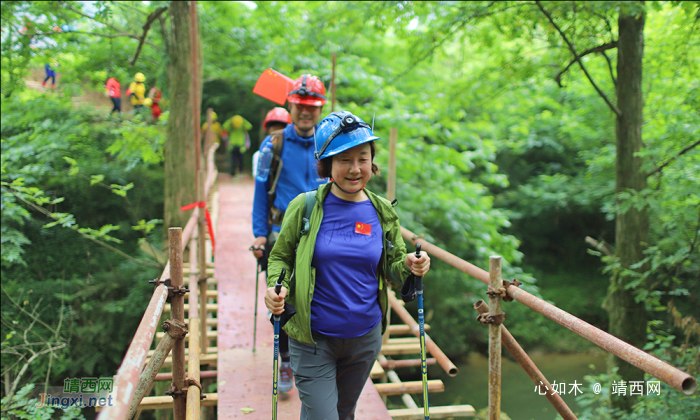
499, 288
132, 382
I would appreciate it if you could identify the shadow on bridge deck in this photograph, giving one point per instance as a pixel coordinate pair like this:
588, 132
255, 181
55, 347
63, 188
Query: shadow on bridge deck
244, 377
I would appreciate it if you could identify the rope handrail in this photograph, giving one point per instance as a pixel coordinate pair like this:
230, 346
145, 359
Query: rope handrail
130, 369
657, 368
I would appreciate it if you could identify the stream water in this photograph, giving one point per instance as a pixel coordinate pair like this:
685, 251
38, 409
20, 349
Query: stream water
519, 399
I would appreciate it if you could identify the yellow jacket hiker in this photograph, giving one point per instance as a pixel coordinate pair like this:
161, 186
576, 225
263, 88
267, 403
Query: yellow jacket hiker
137, 90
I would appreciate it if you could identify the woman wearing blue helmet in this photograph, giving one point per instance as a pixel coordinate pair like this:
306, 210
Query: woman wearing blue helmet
340, 266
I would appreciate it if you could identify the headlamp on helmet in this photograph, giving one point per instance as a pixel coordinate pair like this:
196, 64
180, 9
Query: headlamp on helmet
341, 131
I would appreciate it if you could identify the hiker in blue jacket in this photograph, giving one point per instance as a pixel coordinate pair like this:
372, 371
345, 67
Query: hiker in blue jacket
297, 174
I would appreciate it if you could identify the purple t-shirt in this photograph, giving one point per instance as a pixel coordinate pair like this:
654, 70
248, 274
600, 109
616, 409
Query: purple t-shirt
347, 253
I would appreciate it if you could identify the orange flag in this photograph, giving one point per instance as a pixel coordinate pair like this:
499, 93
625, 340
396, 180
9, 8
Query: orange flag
274, 86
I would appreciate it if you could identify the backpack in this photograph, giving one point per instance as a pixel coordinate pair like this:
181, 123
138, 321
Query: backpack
275, 170
310, 197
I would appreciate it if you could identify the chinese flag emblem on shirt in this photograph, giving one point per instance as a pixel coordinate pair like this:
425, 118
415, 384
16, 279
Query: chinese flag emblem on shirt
363, 229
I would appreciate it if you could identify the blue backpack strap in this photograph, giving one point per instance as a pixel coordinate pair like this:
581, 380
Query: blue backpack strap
308, 209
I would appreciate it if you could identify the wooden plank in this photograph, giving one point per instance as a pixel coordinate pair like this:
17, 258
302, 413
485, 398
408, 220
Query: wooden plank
211, 307
377, 371
211, 294
213, 281
441, 412
204, 359
411, 387
187, 265
403, 329
393, 349
212, 335
404, 340
187, 272
210, 350
156, 403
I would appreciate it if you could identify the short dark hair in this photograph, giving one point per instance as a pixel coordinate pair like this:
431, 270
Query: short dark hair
326, 165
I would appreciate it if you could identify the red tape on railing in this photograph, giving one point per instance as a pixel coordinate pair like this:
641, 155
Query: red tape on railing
206, 214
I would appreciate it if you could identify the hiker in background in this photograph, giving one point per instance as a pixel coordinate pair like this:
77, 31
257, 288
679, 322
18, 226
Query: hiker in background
50, 74
237, 128
297, 174
219, 134
114, 90
155, 95
353, 246
275, 120
137, 92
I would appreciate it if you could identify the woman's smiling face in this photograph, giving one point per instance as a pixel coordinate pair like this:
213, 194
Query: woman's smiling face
352, 169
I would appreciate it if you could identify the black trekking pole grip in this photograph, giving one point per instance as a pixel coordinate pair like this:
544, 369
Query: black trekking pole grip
419, 280
278, 285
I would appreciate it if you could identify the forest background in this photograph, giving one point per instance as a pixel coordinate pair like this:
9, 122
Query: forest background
507, 145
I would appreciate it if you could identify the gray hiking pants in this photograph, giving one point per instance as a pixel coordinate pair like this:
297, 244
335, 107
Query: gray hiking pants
330, 376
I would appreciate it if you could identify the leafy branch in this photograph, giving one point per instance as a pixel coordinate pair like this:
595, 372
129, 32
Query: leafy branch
146, 26
67, 220
672, 158
599, 48
119, 35
577, 58
461, 23
25, 351
141, 225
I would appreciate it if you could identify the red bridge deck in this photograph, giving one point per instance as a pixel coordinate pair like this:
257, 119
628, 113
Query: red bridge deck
244, 377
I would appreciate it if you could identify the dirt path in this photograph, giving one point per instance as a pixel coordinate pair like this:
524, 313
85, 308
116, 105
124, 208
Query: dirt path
88, 97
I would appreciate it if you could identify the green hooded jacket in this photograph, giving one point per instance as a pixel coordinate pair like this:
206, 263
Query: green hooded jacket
300, 286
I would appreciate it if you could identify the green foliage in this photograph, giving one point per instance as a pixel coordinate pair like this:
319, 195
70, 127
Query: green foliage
22, 406
56, 175
500, 151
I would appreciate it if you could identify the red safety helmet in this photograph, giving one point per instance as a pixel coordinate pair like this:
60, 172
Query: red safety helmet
277, 115
308, 90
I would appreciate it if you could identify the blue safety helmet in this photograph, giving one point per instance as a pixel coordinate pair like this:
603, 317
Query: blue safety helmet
341, 131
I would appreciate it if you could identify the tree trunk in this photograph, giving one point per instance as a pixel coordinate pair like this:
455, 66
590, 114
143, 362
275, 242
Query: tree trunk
180, 177
628, 319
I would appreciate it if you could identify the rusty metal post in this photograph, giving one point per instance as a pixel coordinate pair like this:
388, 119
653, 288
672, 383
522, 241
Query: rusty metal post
132, 365
202, 262
178, 313
194, 85
391, 179
495, 341
208, 138
529, 366
194, 389
333, 85
657, 368
175, 331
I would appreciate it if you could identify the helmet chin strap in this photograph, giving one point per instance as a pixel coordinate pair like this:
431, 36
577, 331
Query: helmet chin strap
346, 192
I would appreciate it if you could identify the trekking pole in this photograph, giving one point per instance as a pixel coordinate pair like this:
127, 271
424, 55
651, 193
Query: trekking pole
421, 323
278, 289
257, 279
255, 316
